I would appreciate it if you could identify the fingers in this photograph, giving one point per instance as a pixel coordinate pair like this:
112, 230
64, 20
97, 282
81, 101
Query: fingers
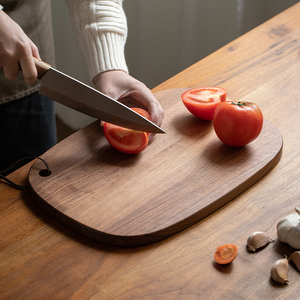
144, 97
153, 107
16, 51
27, 64
28, 68
11, 70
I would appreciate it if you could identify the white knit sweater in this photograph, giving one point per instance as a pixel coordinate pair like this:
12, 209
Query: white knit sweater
101, 29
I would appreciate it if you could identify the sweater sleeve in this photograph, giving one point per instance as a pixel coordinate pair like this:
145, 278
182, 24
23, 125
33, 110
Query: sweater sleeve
101, 29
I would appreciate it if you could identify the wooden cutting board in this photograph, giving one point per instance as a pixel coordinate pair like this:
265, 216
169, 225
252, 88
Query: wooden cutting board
132, 200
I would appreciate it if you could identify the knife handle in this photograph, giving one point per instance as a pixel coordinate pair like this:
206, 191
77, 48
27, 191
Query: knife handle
41, 67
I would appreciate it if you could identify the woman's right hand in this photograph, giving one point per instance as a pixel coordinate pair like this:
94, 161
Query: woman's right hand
16, 50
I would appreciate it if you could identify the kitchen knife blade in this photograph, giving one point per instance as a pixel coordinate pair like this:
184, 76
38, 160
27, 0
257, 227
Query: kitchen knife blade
81, 97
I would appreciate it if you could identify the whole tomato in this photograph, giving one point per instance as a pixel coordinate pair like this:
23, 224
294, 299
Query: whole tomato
237, 123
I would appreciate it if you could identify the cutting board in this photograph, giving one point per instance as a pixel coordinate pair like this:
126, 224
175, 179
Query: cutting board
133, 200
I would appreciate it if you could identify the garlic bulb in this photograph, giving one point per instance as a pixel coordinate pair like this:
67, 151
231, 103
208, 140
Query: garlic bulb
257, 240
295, 258
288, 230
280, 270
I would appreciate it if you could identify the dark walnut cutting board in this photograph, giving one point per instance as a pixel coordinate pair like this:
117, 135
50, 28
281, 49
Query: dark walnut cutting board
132, 200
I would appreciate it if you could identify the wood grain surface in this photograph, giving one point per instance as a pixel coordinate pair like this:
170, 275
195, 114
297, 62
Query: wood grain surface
40, 258
133, 200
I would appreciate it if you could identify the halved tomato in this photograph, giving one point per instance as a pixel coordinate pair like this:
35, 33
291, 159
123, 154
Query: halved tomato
202, 102
127, 140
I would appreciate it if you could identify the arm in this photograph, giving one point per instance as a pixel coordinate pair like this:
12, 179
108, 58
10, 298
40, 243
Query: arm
101, 31
16, 50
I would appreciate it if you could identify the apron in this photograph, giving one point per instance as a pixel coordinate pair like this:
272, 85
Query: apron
34, 17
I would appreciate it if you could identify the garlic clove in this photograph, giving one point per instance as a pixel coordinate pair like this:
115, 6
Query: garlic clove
280, 270
295, 258
257, 240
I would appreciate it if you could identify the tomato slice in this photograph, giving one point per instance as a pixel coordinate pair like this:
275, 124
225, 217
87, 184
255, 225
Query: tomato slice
202, 102
127, 140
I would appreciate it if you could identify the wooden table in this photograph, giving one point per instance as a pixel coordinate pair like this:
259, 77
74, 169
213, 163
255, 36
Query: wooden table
42, 259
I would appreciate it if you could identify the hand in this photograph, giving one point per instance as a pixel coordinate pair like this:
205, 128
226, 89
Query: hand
131, 92
16, 50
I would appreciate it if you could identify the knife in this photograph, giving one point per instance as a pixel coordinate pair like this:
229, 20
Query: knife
81, 97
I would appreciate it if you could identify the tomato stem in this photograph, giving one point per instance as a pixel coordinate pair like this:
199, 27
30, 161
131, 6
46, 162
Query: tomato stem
241, 104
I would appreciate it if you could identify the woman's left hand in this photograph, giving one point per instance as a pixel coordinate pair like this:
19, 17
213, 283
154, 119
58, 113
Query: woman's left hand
122, 87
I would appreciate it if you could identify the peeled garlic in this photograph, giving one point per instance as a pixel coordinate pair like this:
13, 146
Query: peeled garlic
257, 240
288, 230
295, 258
279, 271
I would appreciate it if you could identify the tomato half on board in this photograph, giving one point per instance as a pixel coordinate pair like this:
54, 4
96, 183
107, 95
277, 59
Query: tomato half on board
202, 102
237, 123
127, 140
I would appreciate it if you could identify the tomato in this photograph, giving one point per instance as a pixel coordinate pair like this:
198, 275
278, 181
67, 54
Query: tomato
202, 102
127, 140
142, 112
237, 123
